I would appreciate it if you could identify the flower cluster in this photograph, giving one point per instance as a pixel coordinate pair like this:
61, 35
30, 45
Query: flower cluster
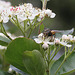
65, 40
22, 12
68, 38
4, 11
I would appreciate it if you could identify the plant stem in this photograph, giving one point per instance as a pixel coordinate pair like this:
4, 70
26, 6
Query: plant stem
25, 26
44, 4
15, 22
18, 24
70, 52
30, 30
64, 60
4, 32
42, 51
49, 51
32, 27
53, 51
55, 54
60, 66
65, 51
38, 23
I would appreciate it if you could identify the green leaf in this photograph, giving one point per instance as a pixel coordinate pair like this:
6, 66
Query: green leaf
41, 27
34, 62
4, 41
67, 68
15, 50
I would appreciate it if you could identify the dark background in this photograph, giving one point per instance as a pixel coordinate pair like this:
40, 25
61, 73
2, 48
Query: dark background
64, 9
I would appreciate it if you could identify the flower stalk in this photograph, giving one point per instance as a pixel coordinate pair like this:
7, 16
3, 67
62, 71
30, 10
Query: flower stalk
44, 4
4, 31
64, 60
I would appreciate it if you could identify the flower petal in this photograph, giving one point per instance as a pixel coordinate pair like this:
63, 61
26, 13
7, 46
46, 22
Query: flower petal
38, 40
50, 43
68, 45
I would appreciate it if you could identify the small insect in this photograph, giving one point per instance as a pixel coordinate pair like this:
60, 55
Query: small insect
47, 32
56, 33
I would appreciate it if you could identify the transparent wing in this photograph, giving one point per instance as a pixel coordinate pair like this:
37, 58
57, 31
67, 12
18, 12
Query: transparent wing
61, 32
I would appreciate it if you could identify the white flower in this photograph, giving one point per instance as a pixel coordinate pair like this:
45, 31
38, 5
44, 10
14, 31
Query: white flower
64, 37
52, 15
38, 40
72, 39
57, 41
10, 70
45, 46
70, 36
23, 12
42, 39
48, 12
65, 44
40, 35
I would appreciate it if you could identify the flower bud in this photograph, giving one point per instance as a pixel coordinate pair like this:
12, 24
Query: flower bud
70, 37
64, 37
57, 41
40, 35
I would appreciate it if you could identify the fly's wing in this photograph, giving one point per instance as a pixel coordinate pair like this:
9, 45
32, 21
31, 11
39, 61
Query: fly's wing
60, 33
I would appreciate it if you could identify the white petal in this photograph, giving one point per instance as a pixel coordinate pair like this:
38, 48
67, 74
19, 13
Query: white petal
63, 43
57, 41
31, 17
40, 35
38, 40
69, 45
50, 43
45, 46
70, 36
48, 12
52, 15
39, 19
